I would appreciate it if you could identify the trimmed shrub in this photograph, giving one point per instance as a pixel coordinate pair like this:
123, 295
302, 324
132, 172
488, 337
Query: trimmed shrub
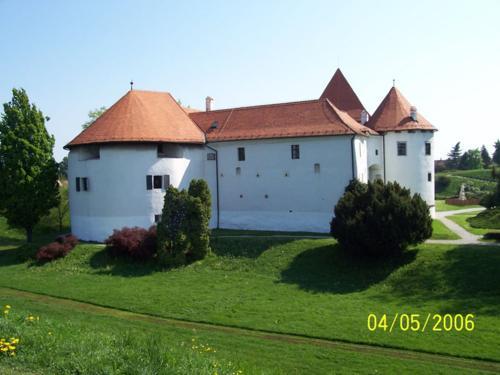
183, 233
442, 182
136, 243
57, 249
378, 219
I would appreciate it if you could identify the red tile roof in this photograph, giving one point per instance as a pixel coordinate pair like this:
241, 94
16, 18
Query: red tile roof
340, 93
142, 116
295, 119
394, 114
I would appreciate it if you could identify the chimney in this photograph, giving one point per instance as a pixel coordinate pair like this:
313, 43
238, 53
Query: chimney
364, 117
208, 103
413, 113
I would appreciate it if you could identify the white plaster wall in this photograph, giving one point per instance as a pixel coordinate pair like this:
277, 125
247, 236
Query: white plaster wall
118, 196
411, 170
303, 200
376, 153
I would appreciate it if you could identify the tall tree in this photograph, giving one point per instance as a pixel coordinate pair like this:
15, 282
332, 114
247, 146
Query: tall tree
485, 156
28, 171
496, 153
454, 157
63, 168
94, 115
471, 159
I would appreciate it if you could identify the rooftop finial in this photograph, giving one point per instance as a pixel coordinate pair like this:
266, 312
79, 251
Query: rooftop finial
131, 85
394, 82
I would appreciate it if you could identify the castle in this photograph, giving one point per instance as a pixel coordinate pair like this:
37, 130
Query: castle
270, 167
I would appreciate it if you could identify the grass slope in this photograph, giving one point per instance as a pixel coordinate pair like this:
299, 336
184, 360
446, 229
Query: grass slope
85, 342
456, 181
479, 174
305, 287
441, 205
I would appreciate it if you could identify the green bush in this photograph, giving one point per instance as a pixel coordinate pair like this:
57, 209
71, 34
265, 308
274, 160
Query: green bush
183, 233
378, 219
442, 182
492, 199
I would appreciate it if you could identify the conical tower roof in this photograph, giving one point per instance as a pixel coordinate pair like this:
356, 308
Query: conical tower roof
394, 113
142, 116
341, 94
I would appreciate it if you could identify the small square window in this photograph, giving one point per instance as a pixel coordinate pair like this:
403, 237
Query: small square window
77, 183
211, 156
149, 182
316, 168
157, 182
85, 183
157, 218
401, 148
427, 148
295, 151
429, 177
241, 153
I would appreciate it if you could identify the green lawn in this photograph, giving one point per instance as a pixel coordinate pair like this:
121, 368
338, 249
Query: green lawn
441, 232
306, 287
441, 205
69, 341
480, 174
463, 221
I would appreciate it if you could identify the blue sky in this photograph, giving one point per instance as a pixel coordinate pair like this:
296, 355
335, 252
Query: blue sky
74, 56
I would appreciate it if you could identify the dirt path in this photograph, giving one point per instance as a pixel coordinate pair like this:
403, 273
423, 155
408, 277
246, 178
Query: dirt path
448, 360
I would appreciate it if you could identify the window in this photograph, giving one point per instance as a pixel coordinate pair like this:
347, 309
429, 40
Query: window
157, 218
85, 183
316, 168
401, 148
77, 180
211, 156
429, 177
376, 152
149, 182
238, 171
295, 152
241, 153
157, 182
427, 148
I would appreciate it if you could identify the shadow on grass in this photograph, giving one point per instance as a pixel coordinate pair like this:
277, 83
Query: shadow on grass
465, 280
17, 254
105, 264
241, 247
327, 269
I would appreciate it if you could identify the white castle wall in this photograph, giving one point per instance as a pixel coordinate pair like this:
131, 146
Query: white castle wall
117, 195
298, 198
411, 170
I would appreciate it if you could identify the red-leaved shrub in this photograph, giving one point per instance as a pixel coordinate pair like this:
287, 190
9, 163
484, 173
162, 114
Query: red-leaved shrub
58, 249
137, 243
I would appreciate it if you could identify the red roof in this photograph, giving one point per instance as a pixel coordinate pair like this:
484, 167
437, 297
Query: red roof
142, 116
394, 114
340, 93
295, 119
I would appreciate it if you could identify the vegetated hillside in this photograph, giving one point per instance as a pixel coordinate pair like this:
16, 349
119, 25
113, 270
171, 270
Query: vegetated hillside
489, 219
448, 183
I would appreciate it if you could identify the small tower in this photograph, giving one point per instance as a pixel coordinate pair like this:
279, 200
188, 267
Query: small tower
408, 150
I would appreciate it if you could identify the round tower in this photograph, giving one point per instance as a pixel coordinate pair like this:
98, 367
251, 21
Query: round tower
407, 145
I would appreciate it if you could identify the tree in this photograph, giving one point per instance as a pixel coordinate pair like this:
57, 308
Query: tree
471, 159
63, 168
485, 157
94, 115
454, 157
28, 171
62, 206
496, 153
378, 219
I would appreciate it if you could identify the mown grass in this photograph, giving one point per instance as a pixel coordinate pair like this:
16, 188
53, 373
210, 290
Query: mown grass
441, 232
464, 221
300, 286
441, 205
480, 174
88, 343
